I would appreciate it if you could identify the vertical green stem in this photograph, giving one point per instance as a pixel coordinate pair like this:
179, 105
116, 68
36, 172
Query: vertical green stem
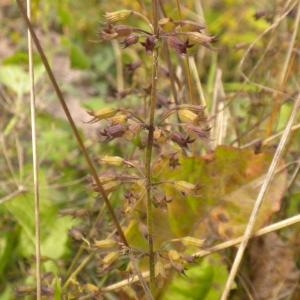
148, 169
149, 149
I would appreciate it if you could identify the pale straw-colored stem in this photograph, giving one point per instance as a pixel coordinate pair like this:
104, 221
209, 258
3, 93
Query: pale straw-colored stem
34, 163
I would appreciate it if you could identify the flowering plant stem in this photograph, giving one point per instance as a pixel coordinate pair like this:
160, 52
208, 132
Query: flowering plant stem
149, 148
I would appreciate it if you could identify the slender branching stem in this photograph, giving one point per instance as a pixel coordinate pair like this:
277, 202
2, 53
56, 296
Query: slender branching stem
72, 123
149, 149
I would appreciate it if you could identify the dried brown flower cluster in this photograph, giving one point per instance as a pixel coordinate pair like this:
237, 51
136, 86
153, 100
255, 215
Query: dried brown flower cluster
175, 125
180, 35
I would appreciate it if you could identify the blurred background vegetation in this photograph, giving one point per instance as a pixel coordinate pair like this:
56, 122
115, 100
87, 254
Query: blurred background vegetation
87, 71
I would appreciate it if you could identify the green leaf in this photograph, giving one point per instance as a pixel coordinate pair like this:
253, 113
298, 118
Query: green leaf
8, 254
56, 133
103, 60
21, 58
54, 229
54, 245
7, 294
22, 209
135, 236
285, 112
65, 15
15, 78
203, 281
79, 60
294, 204
58, 289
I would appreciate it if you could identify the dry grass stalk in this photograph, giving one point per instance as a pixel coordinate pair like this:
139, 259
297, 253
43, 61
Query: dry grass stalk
35, 163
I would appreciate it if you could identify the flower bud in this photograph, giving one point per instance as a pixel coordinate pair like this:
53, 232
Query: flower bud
114, 131
119, 119
110, 258
123, 30
111, 32
112, 160
187, 116
150, 43
130, 40
178, 45
118, 15
91, 288
111, 186
160, 269
173, 255
181, 140
191, 241
133, 132
159, 136
76, 234
102, 114
202, 133
105, 244
200, 38
184, 186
